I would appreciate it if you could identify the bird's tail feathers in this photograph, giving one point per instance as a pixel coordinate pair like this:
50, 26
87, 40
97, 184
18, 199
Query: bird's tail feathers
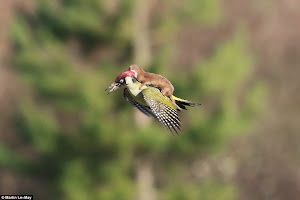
182, 103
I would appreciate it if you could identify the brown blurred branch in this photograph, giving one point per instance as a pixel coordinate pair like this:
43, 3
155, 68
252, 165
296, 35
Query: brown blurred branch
142, 57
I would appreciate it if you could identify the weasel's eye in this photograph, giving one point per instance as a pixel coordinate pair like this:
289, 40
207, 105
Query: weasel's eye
133, 80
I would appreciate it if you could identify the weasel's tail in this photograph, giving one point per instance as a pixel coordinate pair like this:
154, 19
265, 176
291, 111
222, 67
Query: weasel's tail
182, 103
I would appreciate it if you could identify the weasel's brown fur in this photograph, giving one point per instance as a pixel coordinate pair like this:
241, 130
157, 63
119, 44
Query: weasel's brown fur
155, 80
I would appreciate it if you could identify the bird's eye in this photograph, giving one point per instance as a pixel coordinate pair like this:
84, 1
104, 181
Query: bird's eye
133, 80
121, 81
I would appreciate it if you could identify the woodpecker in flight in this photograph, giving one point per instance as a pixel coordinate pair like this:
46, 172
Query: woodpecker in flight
150, 100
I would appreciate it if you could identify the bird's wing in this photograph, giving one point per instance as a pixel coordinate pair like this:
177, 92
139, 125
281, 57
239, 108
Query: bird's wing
144, 109
167, 115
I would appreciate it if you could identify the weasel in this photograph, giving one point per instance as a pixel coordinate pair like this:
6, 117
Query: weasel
155, 80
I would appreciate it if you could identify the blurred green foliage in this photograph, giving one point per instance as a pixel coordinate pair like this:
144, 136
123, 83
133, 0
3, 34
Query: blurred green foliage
204, 191
86, 140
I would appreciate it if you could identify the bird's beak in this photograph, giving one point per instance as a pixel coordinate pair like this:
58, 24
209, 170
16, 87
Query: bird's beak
114, 86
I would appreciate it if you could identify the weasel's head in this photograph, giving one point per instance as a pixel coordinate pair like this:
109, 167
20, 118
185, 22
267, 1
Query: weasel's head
136, 70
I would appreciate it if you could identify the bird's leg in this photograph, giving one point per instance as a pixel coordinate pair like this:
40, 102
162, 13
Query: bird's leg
173, 101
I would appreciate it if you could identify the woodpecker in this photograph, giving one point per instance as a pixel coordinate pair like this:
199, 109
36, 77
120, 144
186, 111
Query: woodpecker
156, 80
150, 100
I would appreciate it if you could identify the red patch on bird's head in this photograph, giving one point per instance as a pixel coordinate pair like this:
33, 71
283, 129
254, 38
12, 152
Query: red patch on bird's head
124, 74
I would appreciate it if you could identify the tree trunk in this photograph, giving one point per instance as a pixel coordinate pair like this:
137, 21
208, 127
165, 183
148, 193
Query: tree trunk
145, 180
141, 20
142, 57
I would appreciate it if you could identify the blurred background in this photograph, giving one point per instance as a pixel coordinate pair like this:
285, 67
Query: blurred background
63, 137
